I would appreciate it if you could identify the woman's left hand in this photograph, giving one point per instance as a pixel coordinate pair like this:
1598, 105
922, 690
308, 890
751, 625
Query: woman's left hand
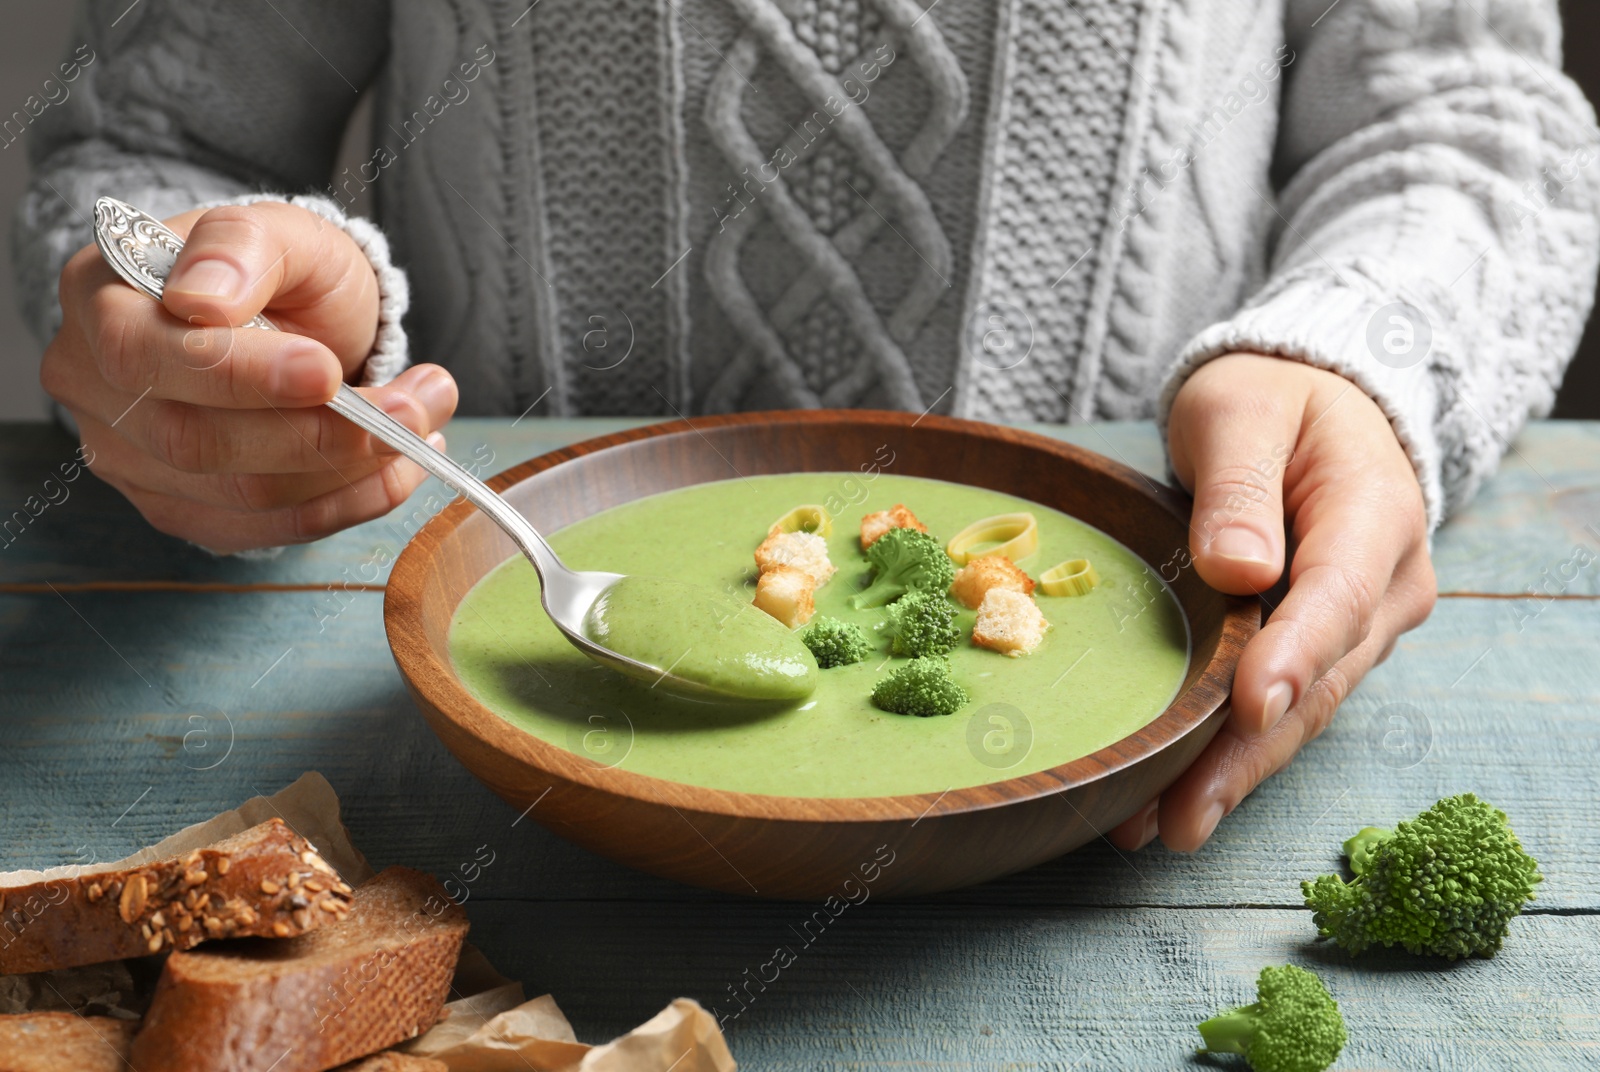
1264, 445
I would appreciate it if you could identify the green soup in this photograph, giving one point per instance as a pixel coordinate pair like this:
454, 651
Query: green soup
702, 635
1111, 663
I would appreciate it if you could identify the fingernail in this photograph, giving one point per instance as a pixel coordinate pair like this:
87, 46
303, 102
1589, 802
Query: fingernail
209, 279
436, 392
1242, 544
1208, 822
1279, 697
436, 440
302, 374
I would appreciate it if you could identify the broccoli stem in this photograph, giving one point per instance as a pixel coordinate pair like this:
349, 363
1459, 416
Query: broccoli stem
877, 594
1231, 1032
1361, 847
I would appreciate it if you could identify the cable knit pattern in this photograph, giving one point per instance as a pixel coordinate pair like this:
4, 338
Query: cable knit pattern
1060, 134
1021, 208
609, 202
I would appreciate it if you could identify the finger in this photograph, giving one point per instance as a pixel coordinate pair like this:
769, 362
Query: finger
1236, 761
1139, 829
240, 260
1343, 565
1232, 458
119, 462
140, 350
201, 439
148, 467
228, 531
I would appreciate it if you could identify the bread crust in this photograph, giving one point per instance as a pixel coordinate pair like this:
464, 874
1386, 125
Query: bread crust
313, 1002
981, 575
896, 517
266, 881
63, 1042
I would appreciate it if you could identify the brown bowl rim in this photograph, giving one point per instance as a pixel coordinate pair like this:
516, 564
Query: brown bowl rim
437, 682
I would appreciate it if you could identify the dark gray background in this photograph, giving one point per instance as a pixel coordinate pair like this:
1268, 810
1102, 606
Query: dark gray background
35, 36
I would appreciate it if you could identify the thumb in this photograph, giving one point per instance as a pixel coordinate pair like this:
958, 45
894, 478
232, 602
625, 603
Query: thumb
305, 273
1232, 456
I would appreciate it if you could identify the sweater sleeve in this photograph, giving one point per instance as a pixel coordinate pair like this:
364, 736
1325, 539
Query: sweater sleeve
1436, 235
191, 103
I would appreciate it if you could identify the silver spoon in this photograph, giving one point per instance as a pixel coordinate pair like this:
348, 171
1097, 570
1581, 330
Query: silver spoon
142, 250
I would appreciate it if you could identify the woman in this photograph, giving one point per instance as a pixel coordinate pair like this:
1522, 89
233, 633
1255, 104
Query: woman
1341, 250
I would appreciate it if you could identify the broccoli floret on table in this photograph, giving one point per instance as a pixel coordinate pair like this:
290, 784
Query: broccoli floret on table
904, 560
1294, 1025
835, 643
922, 623
921, 687
1447, 883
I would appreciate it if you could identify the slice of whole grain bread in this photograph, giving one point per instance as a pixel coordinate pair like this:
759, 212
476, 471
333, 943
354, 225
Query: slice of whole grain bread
313, 1002
266, 881
64, 1042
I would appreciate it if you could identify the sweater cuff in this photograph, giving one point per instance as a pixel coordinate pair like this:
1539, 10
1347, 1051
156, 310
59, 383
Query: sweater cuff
1351, 324
390, 352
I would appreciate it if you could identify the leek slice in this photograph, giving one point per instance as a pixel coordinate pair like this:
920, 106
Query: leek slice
1074, 577
808, 518
1016, 536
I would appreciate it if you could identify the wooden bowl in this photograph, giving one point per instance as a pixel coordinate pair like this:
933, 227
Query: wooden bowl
799, 847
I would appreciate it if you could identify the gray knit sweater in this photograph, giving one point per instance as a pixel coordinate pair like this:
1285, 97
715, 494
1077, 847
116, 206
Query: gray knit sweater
1006, 209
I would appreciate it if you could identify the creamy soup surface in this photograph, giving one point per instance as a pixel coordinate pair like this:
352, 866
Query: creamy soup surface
1111, 663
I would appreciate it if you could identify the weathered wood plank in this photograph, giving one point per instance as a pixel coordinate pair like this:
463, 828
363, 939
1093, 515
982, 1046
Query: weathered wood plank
90, 728
951, 987
1532, 530
1535, 527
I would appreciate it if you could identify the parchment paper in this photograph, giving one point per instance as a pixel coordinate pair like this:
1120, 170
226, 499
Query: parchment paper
491, 1028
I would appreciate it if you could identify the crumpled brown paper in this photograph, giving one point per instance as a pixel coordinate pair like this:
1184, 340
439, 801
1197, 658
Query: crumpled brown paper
491, 1029
499, 1032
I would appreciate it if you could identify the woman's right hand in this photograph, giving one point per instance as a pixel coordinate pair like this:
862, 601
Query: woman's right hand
219, 435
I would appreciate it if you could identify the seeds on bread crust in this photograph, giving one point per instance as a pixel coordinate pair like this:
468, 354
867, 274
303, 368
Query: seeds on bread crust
178, 902
134, 893
182, 892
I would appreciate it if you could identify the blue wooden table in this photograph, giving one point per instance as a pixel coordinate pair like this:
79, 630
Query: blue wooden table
147, 685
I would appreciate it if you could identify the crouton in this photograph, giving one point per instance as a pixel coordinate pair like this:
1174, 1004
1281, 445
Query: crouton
1009, 622
786, 593
875, 525
981, 575
804, 551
